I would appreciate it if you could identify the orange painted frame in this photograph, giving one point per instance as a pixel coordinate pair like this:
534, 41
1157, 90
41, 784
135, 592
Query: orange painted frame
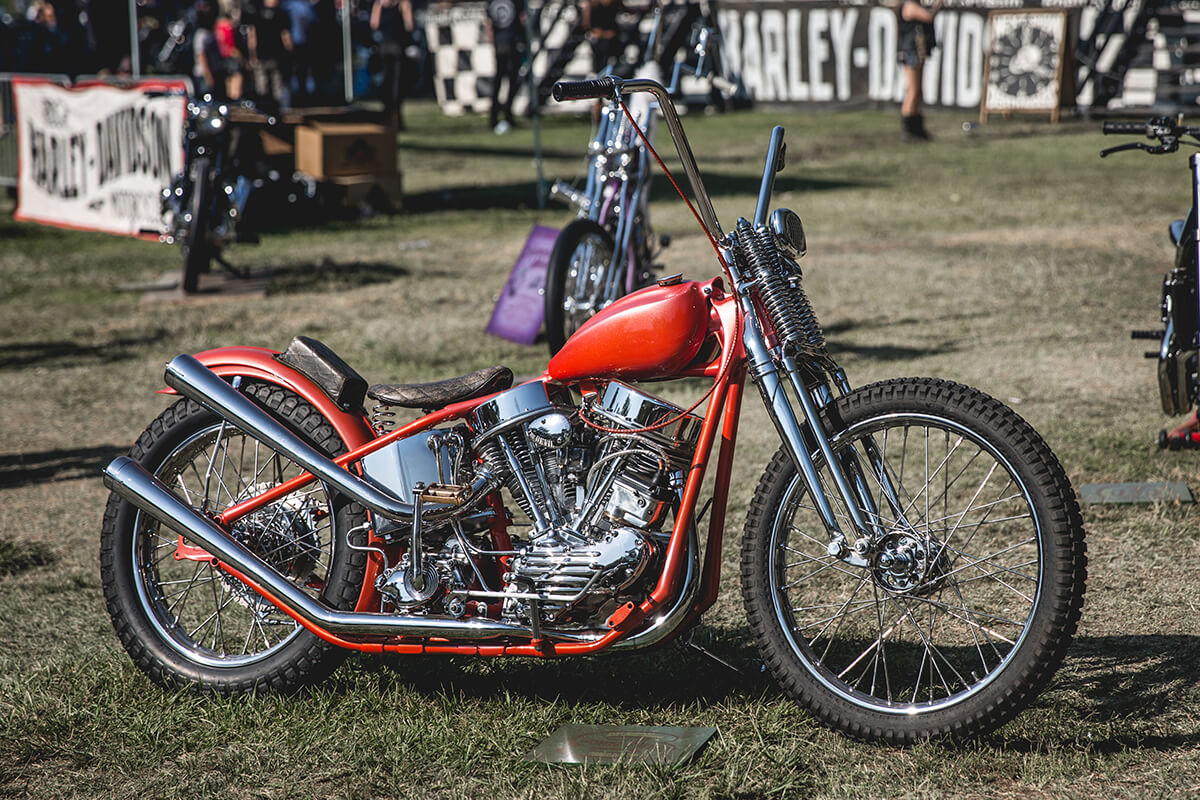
723, 410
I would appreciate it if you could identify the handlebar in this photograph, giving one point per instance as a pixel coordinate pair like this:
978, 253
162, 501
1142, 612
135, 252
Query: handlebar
1165, 129
1110, 128
616, 88
584, 90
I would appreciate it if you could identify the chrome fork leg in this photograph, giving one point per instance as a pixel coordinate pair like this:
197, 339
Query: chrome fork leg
779, 407
799, 437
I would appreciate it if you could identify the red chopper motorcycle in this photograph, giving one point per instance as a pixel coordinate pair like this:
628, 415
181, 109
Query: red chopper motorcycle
913, 560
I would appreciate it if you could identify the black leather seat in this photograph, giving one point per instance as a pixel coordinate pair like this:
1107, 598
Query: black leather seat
439, 394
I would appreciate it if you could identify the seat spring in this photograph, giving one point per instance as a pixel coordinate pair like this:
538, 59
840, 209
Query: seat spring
383, 418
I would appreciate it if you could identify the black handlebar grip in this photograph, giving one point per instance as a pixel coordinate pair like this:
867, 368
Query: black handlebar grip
583, 90
1124, 127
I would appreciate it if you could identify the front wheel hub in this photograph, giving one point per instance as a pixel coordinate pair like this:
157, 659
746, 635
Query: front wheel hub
905, 562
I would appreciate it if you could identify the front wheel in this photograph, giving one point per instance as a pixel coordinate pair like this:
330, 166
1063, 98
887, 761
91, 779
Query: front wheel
975, 573
197, 250
581, 279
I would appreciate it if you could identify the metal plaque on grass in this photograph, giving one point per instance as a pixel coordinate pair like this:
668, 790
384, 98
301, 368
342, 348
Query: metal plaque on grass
609, 744
1159, 492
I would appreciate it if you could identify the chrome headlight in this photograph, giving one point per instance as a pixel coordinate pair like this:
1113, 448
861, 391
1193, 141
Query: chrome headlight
208, 118
789, 232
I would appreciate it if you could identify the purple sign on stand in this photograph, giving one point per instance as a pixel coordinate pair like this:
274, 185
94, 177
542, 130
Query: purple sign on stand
521, 307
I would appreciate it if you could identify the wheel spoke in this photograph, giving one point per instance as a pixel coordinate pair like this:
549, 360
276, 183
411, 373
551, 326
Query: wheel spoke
934, 621
208, 616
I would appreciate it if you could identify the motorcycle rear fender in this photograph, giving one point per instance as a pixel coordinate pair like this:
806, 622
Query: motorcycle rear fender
354, 429
260, 363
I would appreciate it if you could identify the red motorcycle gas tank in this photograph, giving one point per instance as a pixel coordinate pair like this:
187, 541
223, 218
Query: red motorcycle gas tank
652, 333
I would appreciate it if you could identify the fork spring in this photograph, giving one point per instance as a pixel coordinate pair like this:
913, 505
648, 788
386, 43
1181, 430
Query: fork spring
785, 301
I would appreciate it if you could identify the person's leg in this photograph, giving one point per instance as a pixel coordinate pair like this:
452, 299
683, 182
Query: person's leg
910, 106
502, 59
514, 75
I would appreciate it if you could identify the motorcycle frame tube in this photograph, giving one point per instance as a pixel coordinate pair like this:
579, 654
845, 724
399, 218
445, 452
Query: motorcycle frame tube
723, 408
711, 575
1194, 163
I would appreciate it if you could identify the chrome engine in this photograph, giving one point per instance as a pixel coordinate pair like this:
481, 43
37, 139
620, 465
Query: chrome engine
595, 489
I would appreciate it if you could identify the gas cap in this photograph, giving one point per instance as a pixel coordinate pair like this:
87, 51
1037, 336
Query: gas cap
671, 280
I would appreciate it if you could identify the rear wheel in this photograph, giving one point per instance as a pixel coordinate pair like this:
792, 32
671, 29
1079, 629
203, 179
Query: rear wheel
974, 581
183, 621
580, 279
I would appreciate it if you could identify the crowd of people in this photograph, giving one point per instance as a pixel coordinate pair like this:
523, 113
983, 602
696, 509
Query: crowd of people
277, 52
65, 37
284, 53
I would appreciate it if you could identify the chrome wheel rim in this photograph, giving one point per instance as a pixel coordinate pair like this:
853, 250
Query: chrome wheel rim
203, 613
586, 292
931, 630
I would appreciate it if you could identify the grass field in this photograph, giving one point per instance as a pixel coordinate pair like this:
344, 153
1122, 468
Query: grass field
1012, 259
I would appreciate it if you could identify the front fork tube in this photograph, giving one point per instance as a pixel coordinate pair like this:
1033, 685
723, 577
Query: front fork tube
854, 494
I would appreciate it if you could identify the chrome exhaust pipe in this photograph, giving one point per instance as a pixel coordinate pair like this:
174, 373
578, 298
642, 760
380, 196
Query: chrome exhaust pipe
131, 481
193, 380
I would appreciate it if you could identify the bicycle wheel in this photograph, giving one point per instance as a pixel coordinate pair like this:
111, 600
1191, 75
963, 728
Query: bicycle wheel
975, 579
183, 621
579, 271
197, 252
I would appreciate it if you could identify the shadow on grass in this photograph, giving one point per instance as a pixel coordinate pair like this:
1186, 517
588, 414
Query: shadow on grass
672, 675
66, 353
1130, 680
524, 193
1135, 678
22, 469
887, 352
330, 275
475, 150
18, 557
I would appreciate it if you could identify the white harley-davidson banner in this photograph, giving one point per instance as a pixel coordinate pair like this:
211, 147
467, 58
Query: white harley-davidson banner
95, 156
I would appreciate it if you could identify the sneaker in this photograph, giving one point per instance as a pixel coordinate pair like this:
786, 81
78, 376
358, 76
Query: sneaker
501, 127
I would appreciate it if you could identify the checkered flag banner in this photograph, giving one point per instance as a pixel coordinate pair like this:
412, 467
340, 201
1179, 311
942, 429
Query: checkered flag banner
465, 65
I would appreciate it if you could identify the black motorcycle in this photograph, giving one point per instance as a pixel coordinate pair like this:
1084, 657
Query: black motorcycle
1179, 340
205, 205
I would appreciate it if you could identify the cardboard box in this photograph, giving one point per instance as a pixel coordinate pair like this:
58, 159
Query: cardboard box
333, 149
376, 193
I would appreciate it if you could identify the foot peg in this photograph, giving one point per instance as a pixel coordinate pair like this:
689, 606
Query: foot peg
1186, 441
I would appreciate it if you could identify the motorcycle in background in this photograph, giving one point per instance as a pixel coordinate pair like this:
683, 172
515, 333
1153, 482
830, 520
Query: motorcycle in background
204, 207
1179, 339
609, 250
912, 565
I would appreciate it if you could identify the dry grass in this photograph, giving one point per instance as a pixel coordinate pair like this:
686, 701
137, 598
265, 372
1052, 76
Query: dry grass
1014, 260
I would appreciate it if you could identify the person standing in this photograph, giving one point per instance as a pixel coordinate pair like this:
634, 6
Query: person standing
209, 66
506, 30
599, 19
392, 21
269, 42
300, 14
603, 33
917, 41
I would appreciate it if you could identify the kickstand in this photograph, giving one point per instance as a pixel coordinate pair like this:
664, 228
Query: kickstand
688, 641
240, 274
